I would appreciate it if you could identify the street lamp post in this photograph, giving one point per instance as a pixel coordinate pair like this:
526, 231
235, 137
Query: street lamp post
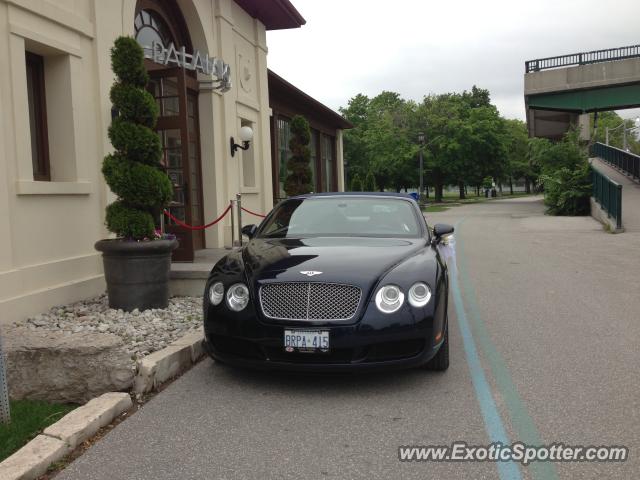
624, 132
421, 142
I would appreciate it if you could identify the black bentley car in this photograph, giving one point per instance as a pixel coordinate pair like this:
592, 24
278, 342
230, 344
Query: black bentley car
332, 282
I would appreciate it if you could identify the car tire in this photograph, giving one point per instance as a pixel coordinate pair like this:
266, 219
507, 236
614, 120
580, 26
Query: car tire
440, 362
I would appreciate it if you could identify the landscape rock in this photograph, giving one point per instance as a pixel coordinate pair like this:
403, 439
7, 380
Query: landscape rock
64, 367
142, 332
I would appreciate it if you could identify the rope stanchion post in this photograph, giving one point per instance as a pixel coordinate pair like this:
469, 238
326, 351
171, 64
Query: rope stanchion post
239, 207
233, 228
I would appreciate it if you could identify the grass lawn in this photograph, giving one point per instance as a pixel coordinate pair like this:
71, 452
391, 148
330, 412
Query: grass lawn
28, 419
450, 200
435, 208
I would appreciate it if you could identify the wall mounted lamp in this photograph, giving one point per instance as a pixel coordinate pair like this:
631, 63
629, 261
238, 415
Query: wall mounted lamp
246, 134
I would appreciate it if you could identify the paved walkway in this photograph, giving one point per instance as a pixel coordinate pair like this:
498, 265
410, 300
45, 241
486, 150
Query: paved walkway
630, 195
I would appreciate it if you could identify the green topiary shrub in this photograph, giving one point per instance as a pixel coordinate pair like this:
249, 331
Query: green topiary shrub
129, 222
139, 143
133, 171
370, 183
128, 64
134, 104
298, 182
356, 183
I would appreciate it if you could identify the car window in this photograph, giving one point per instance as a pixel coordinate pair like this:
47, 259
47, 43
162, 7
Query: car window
343, 216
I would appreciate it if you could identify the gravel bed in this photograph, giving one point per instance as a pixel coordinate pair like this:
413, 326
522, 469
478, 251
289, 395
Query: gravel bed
142, 332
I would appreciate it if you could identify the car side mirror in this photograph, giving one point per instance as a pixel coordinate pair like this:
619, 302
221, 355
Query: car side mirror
441, 229
249, 230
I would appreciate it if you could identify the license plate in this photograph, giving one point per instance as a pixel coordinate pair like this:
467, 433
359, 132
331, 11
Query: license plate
311, 341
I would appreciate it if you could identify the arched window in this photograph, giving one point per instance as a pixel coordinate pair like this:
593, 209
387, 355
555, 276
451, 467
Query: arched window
150, 27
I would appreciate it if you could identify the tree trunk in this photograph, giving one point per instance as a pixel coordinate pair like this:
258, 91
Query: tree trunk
511, 184
477, 190
461, 189
527, 185
500, 188
438, 192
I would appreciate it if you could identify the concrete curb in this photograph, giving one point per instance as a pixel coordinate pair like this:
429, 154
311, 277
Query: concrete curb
62, 437
155, 369
599, 214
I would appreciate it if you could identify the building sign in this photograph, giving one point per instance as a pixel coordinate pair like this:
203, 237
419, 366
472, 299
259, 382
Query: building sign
197, 61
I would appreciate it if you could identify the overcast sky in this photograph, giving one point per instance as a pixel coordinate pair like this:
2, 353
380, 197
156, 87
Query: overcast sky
417, 47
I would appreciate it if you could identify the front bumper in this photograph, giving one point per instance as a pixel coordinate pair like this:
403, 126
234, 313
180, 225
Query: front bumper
365, 345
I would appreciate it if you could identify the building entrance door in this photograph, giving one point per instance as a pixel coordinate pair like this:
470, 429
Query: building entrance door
177, 98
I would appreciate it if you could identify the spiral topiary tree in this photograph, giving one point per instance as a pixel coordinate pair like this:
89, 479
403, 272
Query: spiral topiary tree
298, 181
133, 171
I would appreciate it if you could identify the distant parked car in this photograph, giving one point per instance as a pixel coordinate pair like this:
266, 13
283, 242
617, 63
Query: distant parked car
332, 282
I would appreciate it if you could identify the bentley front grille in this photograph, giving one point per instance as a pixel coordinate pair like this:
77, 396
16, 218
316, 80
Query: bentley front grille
309, 301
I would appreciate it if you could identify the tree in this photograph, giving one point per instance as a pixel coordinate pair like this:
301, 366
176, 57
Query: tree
133, 172
356, 183
613, 122
517, 146
380, 142
370, 183
298, 182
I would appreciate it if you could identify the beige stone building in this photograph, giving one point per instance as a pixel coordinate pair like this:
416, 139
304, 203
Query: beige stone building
55, 111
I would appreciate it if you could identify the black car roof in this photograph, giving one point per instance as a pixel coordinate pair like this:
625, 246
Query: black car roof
356, 194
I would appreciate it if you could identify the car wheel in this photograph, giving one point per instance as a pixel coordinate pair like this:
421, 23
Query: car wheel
440, 362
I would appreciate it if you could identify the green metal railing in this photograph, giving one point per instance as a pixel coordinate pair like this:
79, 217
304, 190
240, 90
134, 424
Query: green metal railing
626, 162
608, 194
584, 58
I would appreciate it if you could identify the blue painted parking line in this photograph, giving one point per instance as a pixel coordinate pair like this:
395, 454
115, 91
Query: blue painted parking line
492, 421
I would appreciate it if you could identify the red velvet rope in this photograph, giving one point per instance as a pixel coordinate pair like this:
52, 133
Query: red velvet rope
198, 227
253, 213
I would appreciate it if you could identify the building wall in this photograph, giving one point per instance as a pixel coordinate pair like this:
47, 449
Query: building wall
49, 228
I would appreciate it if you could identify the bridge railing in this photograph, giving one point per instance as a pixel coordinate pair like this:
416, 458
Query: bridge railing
627, 162
584, 58
608, 194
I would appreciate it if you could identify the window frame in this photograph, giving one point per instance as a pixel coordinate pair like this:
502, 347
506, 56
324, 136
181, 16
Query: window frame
35, 68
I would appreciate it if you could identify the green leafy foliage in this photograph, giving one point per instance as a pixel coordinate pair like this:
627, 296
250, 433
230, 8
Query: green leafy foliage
134, 104
137, 142
567, 191
127, 62
356, 183
298, 182
565, 174
370, 183
142, 185
129, 222
613, 122
465, 139
133, 172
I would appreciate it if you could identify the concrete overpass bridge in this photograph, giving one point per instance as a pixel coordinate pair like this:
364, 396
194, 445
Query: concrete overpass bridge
561, 91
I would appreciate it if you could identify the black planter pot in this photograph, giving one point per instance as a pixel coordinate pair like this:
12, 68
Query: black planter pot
137, 273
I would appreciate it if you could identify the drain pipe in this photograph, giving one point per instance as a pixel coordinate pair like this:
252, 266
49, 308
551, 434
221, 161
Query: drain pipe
5, 413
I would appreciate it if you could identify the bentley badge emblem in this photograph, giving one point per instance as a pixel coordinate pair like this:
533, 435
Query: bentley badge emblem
310, 273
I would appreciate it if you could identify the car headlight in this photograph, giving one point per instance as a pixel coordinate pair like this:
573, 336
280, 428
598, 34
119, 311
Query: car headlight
237, 297
419, 294
216, 293
389, 299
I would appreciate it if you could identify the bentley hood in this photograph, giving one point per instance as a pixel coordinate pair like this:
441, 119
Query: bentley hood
360, 261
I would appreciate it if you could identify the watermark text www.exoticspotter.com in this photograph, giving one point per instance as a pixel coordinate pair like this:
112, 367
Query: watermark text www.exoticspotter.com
516, 452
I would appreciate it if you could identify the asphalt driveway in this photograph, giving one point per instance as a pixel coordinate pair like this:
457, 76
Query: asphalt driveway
544, 343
